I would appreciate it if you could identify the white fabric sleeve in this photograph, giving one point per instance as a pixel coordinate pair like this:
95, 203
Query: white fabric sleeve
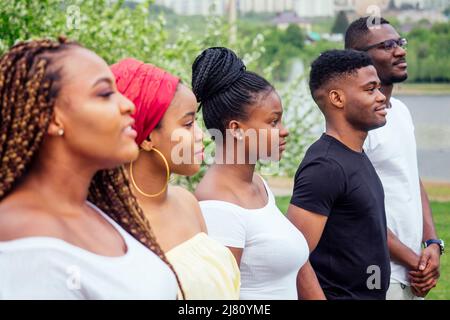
25, 274
224, 223
371, 142
406, 113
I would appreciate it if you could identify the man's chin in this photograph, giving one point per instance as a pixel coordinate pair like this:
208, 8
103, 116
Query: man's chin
399, 78
377, 124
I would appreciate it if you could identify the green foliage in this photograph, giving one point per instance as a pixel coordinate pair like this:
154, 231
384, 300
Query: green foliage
118, 29
447, 11
341, 23
392, 5
280, 47
294, 36
428, 52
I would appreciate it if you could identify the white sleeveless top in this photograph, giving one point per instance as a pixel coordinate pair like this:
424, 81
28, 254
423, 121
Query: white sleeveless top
50, 268
274, 250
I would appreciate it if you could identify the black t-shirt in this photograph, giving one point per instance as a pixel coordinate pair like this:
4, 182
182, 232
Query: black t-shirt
351, 259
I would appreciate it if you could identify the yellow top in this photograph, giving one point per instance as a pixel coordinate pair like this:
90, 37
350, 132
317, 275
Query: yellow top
207, 269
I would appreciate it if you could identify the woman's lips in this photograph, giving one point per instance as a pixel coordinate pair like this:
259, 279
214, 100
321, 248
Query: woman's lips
130, 132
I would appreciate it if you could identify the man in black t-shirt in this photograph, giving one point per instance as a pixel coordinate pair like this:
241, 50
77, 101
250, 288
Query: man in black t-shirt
338, 199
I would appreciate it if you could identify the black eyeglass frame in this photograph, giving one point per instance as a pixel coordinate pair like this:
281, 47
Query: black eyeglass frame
401, 42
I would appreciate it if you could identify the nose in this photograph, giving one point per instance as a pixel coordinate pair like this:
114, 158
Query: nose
381, 97
283, 131
126, 106
198, 133
399, 52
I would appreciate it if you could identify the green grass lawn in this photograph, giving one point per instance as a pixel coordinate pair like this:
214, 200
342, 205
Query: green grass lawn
441, 214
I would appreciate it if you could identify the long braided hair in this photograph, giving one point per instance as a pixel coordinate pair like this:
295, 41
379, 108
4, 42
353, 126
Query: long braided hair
29, 87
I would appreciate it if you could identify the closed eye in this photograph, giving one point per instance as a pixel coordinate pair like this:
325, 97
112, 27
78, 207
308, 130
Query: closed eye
106, 94
372, 89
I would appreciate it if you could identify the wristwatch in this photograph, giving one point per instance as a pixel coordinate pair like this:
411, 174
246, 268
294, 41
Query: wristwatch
435, 241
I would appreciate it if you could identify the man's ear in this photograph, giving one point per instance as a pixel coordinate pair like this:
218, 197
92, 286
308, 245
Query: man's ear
236, 130
337, 98
56, 127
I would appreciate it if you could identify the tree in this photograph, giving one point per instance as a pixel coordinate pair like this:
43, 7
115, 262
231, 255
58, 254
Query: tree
447, 11
341, 23
114, 29
392, 5
294, 36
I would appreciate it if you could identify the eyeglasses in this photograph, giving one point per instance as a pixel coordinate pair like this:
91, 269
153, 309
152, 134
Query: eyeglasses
388, 45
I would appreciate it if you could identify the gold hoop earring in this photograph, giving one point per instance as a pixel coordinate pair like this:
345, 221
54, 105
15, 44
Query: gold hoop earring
167, 177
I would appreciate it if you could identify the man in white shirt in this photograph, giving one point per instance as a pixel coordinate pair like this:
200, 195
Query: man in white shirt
392, 150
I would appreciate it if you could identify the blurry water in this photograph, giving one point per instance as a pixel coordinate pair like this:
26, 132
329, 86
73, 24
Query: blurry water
431, 117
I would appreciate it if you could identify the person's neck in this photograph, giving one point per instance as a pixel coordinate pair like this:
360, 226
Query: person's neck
61, 182
231, 166
387, 89
352, 138
150, 177
240, 173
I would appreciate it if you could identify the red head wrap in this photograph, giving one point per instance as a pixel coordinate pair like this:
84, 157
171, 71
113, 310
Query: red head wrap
150, 88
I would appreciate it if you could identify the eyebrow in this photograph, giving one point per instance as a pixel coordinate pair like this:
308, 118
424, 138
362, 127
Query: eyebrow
189, 114
375, 83
104, 79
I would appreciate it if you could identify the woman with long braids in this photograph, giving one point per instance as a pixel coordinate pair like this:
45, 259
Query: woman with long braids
70, 227
171, 142
238, 206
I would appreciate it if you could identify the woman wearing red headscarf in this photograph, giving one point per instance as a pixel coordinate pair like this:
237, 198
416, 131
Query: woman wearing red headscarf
171, 142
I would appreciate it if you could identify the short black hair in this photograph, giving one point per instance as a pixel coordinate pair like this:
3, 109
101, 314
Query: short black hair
332, 64
224, 87
357, 31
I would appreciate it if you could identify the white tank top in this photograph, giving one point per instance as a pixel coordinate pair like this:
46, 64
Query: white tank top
274, 250
50, 268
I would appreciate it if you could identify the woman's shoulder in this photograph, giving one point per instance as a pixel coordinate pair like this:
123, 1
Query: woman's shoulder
184, 198
190, 202
211, 188
22, 220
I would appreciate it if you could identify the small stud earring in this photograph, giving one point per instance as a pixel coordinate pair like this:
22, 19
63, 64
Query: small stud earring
60, 132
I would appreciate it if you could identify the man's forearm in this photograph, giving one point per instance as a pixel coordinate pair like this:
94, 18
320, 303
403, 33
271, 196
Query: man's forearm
308, 286
429, 231
401, 253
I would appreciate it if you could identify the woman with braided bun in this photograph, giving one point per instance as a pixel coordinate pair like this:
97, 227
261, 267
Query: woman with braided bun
238, 206
70, 227
171, 142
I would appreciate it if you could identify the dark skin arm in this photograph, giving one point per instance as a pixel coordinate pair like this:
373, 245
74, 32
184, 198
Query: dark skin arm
401, 253
426, 276
311, 225
237, 253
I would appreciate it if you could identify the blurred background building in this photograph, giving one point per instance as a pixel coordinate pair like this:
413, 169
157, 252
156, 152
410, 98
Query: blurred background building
302, 8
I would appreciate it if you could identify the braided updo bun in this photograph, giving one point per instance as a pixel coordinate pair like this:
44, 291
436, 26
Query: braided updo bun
224, 87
